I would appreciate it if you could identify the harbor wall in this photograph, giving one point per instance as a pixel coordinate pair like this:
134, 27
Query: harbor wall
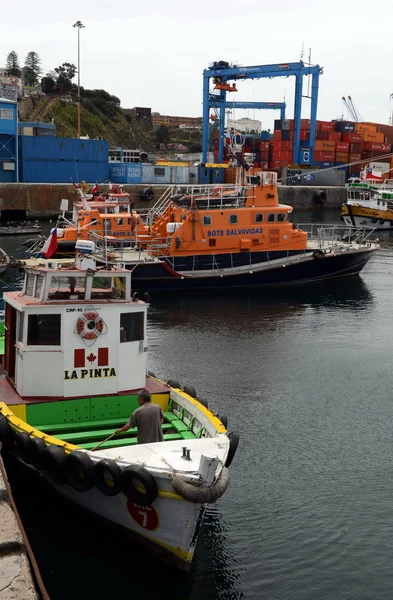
16, 582
43, 200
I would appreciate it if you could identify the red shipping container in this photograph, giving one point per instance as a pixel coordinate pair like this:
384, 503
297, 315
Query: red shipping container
304, 135
277, 136
321, 135
372, 146
264, 155
389, 139
305, 123
291, 124
321, 146
324, 156
264, 165
354, 157
317, 125
356, 147
264, 146
334, 136
386, 147
327, 126
371, 154
386, 129
277, 164
278, 146
352, 137
342, 147
282, 155
342, 157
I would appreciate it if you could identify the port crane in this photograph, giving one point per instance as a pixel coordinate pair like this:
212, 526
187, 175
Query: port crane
220, 72
351, 109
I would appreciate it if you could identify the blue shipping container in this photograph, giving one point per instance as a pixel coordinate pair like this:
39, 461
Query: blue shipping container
53, 148
125, 172
156, 174
62, 171
344, 126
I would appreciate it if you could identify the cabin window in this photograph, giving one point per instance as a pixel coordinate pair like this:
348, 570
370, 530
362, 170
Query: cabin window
38, 285
132, 327
30, 279
212, 242
119, 221
183, 217
108, 287
64, 287
159, 171
21, 320
44, 330
233, 219
259, 218
281, 217
270, 217
207, 220
129, 221
377, 202
367, 196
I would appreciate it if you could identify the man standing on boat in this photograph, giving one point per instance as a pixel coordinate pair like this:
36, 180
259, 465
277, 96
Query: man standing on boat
147, 418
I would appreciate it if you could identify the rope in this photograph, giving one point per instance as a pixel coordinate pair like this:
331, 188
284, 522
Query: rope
29, 549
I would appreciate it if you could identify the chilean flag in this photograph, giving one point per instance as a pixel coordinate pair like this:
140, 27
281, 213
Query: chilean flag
50, 246
370, 173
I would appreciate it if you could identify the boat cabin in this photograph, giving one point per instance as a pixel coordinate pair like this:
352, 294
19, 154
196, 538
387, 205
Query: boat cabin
75, 332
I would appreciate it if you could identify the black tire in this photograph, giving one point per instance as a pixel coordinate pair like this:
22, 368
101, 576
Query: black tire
147, 194
80, 471
203, 402
146, 479
6, 433
100, 474
224, 420
374, 220
190, 390
53, 461
318, 254
37, 447
173, 383
233, 444
319, 197
22, 442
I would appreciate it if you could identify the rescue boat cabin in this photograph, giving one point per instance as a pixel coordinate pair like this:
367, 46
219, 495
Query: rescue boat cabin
228, 219
75, 332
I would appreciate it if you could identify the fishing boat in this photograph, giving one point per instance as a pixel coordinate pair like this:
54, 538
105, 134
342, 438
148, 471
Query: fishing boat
4, 261
235, 236
75, 360
369, 201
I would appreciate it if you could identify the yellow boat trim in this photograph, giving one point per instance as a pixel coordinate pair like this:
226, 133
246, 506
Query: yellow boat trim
208, 413
20, 425
19, 410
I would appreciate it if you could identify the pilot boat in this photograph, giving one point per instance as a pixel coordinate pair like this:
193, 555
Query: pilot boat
369, 201
235, 236
75, 359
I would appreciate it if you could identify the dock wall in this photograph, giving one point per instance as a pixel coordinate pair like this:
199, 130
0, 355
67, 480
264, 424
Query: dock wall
43, 200
16, 582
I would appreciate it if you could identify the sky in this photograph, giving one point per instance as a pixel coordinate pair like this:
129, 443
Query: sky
154, 53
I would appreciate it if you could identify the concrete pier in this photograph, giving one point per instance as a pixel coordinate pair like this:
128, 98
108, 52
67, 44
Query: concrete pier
16, 582
43, 199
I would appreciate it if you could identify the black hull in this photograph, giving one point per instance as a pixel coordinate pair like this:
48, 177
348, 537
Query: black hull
148, 277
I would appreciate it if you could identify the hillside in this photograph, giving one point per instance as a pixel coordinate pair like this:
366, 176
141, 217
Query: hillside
103, 117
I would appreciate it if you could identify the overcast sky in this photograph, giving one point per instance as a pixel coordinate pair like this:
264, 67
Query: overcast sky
153, 53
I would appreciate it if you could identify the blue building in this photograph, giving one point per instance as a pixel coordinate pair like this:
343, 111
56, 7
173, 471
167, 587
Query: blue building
36, 128
8, 141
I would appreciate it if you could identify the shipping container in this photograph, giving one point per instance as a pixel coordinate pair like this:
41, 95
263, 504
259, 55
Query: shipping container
305, 123
125, 172
373, 146
282, 146
285, 125
286, 135
277, 125
52, 148
282, 155
352, 137
304, 134
342, 147
324, 156
374, 137
324, 146
334, 136
364, 128
385, 129
354, 157
355, 147
326, 126
371, 154
157, 174
342, 157
321, 135
62, 171
264, 155
277, 135
344, 127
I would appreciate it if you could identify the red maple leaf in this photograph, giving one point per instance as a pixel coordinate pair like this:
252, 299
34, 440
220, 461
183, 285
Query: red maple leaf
91, 358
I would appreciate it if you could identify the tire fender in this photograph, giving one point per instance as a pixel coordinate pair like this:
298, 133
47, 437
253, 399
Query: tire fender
53, 462
128, 475
80, 471
22, 441
202, 494
173, 383
105, 467
37, 447
190, 390
6, 433
233, 444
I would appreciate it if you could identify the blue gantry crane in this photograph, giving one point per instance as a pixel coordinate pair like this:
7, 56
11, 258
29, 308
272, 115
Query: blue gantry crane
222, 72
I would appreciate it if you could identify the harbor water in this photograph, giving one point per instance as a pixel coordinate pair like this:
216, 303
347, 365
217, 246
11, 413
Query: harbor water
304, 377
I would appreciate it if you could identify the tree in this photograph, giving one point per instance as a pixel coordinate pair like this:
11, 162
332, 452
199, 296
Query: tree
13, 66
162, 134
32, 69
65, 74
48, 84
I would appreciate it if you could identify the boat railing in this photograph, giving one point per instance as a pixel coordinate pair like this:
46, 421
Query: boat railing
160, 205
216, 195
327, 236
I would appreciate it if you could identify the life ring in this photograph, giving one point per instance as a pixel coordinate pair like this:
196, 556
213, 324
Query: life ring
146, 479
107, 477
233, 444
90, 325
147, 194
22, 442
190, 390
80, 471
6, 433
53, 461
318, 254
37, 447
218, 189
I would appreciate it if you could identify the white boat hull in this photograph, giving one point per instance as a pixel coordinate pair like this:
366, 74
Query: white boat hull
372, 223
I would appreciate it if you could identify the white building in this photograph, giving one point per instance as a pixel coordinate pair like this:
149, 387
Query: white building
245, 125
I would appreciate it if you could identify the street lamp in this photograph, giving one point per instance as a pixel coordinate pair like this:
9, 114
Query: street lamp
79, 25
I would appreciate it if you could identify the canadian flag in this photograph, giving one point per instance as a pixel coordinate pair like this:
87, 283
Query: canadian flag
85, 358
